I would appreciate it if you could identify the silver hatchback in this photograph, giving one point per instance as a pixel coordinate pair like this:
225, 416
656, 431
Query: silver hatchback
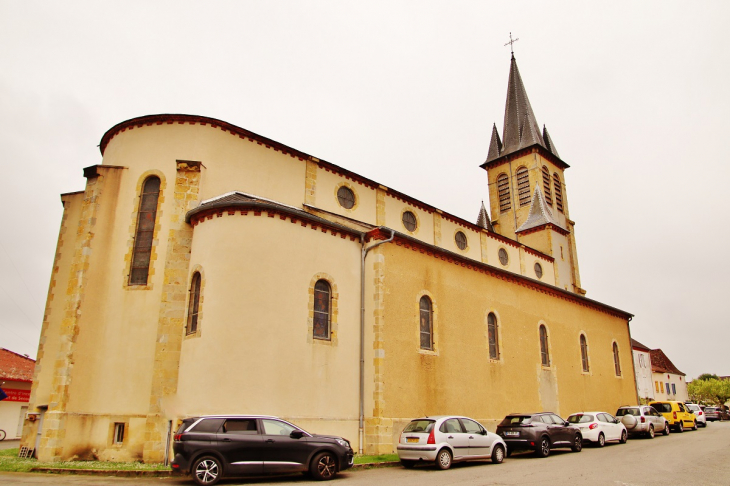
642, 420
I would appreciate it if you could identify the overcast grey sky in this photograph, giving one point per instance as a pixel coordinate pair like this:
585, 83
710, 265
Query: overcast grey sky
634, 95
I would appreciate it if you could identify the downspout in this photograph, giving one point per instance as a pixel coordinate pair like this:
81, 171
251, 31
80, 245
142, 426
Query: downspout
364, 252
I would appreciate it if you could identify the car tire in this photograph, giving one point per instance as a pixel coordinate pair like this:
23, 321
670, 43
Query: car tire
407, 464
680, 427
543, 448
694, 426
323, 466
577, 443
650, 434
624, 437
601, 440
443, 459
666, 430
497, 454
207, 471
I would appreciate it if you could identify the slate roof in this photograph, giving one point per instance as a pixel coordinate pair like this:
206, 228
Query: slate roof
661, 364
15, 367
540, 213
483, 219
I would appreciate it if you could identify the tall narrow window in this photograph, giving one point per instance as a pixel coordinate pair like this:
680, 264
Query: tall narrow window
546, 185
544, 351
503, 190
493, 337
145, 230
322, 309
118, 433
616, 363
558, 187
426, 323
584, 353
523, 186
193, 304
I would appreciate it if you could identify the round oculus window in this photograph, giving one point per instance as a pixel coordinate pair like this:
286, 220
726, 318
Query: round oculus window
346, 197
460, 239
538, 270
409, 221
503, 257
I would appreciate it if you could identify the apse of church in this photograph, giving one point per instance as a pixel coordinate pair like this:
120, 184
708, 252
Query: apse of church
201, 252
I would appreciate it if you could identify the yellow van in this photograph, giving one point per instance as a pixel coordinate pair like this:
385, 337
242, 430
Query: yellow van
677, 415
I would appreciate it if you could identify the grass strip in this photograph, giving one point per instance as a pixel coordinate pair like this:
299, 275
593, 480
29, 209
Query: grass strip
10, 462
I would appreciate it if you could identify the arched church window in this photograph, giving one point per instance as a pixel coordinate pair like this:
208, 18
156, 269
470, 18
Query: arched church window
544, 349
493, 337
147, 215
616, 362
546, 185
503, 190
193, 304
322, 310
523, 186
558, 187
584, 352
426, 323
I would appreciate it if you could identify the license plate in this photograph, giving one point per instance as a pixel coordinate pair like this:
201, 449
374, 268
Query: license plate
411, 439
511, 434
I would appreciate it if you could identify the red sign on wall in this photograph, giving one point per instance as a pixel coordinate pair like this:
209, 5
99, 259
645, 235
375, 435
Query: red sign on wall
17, 395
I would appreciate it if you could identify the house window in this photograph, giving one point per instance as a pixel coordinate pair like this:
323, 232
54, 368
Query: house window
460, 239
193, 304
616, 363
503, 190
523, 186
661, 386
674, 389
584, 352
346, 197
118, 433
493, 336
145, 230
409, 221
322, 309
558, 187
426, 323
656, 385
546, 185
544, 351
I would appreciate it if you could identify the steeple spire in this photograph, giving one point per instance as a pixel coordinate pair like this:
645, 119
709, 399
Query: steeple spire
519, 119
483, 219
539, 214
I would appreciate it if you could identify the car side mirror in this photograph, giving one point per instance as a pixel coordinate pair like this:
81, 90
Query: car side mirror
484, 432
567, 424
296, 434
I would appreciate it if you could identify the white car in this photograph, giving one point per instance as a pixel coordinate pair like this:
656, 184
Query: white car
699, 414
599, 427
448, 439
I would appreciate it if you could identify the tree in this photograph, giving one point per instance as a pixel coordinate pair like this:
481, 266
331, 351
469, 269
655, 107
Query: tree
710, 391
708, 376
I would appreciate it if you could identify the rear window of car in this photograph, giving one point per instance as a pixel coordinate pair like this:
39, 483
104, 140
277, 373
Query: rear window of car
515, 420
416, 426
694, 408
628, 411
662, 407
580, 418
210, 425
710, 409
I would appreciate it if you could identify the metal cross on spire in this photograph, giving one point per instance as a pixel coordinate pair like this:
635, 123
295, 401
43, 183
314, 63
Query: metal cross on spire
511, 43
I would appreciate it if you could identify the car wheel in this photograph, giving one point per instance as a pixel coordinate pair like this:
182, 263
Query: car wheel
577, 443
666, 429
407, 464
207, 471
543, 449
443, 459
324, 466
601, 440
498, 454
680, 427
650, 434
624, 437
694, 426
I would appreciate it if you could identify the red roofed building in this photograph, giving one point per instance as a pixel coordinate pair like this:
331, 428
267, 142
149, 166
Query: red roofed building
16, 377
669, 382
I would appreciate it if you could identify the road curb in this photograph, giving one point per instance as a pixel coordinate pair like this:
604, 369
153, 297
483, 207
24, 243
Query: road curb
130, 473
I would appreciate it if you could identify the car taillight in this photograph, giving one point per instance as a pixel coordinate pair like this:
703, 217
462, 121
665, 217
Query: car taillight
643, 420
400, 438
674, 414
431, 438
700, 413
592, 426
178, 437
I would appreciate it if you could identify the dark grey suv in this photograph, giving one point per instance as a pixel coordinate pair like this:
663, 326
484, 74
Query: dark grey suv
216, 446
538, 432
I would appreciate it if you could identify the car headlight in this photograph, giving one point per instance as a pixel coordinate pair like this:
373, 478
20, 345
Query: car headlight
343, 443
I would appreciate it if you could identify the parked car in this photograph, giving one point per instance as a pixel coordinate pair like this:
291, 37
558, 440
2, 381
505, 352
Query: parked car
712, 414
643, 420
215, 446
445, 440
599, 427
538, 432
698, 413
676, 414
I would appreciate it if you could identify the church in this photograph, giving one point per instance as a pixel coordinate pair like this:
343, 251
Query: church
207, 269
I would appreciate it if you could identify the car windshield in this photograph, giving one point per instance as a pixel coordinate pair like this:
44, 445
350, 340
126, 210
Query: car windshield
424, 426
663, 407
580, 418
515, 420
628, 411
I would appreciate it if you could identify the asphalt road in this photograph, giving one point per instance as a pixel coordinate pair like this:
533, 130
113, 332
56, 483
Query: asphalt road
692, 458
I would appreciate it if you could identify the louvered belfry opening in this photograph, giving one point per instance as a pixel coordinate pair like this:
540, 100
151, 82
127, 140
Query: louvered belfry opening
523, 186
503, 189
546, 185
